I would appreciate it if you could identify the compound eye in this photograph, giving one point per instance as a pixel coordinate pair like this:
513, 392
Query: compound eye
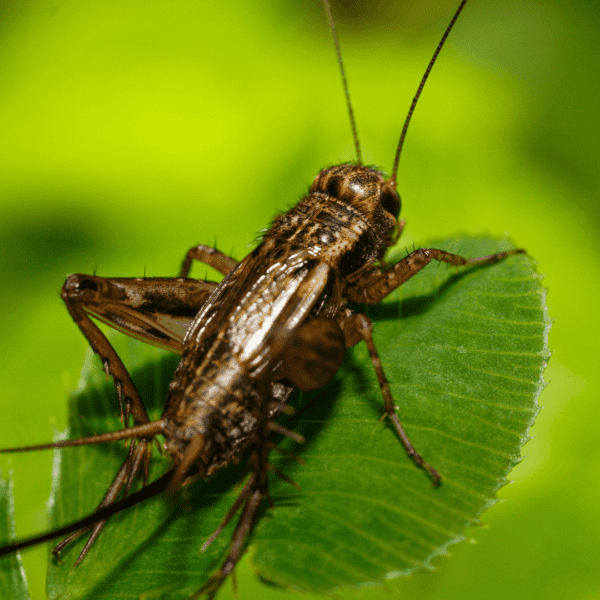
390, 200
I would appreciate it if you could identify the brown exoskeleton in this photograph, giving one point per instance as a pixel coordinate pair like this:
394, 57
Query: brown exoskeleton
278, 320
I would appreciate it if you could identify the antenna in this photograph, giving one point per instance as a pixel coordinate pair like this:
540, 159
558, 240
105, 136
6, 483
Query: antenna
344, 83
420, 89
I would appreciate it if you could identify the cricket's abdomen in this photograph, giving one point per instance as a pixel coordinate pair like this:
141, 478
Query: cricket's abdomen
219, 406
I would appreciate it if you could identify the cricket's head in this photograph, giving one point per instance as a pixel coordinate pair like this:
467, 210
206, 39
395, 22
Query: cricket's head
365, 190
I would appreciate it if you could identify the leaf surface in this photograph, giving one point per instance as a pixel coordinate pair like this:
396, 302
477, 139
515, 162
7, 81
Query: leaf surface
464, 352
13, 583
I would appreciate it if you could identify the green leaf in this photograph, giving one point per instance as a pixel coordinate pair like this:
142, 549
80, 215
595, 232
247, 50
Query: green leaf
464, 352
13, 583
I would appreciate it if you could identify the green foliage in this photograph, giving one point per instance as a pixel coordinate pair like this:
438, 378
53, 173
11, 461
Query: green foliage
13, 584
464, 352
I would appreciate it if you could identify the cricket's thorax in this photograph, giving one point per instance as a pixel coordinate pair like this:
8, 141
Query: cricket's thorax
344, 222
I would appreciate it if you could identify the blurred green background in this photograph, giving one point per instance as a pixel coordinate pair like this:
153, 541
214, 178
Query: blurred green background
132, 131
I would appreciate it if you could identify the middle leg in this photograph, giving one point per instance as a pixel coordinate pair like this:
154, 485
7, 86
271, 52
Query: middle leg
209, 256
357, 327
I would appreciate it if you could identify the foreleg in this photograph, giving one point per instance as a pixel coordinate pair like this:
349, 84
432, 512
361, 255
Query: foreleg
372, 287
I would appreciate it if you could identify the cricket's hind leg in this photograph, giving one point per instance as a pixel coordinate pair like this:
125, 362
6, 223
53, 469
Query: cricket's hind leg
135, 306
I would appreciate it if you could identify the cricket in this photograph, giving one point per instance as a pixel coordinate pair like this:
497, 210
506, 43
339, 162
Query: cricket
281, 320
